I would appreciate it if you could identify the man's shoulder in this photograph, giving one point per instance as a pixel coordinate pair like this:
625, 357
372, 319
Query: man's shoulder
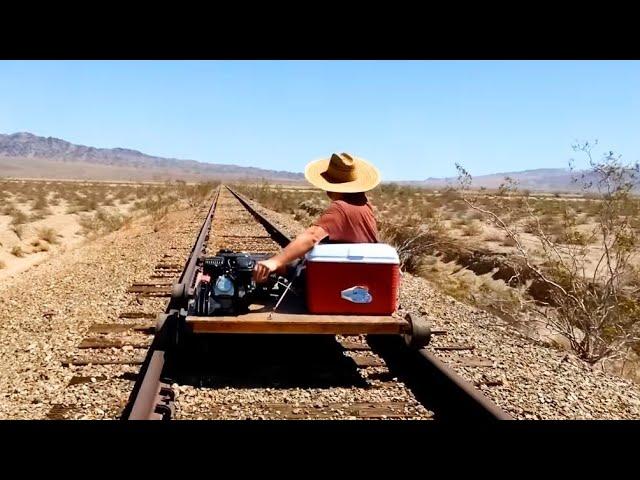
345, 206
336, 205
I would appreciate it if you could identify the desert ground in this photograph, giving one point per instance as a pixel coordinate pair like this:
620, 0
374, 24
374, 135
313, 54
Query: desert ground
79, 244
41, 218
462, 251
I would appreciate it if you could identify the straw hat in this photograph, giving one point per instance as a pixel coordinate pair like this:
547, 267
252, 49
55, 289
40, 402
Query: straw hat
342, 173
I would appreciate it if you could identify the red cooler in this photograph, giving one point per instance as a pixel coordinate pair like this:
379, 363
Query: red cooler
352, 279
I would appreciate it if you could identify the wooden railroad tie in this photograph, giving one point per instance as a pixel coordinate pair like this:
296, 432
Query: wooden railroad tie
60, 412
454, 347
348, 345
318, 410
90, 361
471, 362
80, 379
148, 328
363, 361
169, 266
102, 343
136, 315
150, 290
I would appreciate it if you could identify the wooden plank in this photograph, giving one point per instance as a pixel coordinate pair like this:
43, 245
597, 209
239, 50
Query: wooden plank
60, 412
266, 322
78, 380
372, 410
101, 343
149, 289
268, 237
348, 345
169, 266
470, 362
489, 383
364, 361
154, 295
90, 361
120, 327
136, 315
454, 347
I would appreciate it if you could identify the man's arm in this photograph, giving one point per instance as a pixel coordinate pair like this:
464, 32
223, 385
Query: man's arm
296, 249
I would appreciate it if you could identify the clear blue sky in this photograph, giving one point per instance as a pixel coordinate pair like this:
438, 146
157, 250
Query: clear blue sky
412, 119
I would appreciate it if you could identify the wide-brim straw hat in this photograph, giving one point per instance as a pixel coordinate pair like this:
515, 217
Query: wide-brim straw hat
342, 173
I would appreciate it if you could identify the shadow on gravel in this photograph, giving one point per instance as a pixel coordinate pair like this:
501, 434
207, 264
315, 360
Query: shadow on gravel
264, 361
428, 385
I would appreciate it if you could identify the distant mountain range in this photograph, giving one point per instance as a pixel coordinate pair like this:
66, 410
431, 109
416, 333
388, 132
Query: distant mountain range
541, 179
28, 155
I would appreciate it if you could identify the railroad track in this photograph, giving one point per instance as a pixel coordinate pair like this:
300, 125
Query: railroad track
273, 376
253, 376
107, 361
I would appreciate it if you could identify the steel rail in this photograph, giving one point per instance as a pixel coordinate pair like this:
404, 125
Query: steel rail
279, 237
150, 398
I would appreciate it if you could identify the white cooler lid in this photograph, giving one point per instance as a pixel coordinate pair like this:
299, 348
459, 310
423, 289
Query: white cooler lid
353, 253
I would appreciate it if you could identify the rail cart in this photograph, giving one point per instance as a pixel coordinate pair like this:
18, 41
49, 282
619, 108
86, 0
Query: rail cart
347, 289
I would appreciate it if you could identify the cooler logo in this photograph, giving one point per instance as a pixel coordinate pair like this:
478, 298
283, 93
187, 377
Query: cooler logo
357, 295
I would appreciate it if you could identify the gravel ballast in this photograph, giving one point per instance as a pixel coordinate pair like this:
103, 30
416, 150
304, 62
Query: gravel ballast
526, 378
47, 311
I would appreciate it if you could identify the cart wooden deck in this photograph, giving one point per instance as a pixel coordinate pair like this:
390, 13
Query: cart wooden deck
292, 317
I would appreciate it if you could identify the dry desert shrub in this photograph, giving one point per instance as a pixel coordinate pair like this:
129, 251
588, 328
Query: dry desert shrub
412, 241
49, 235
285, 201
472, 230
39, 246
596, 310
508, 242
18, 217
7, 209
480, 290
18, 230
88, 203
41, 203
102, 221
493, 237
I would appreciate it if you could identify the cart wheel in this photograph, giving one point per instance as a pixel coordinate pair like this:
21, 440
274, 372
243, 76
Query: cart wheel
160, 320
178, 291
165, 331
420, 335
182, 338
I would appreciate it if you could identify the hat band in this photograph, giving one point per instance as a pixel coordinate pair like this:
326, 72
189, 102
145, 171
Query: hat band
339, 176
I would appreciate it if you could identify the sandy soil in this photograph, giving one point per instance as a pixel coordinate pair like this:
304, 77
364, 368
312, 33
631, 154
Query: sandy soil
46, 311
69, 235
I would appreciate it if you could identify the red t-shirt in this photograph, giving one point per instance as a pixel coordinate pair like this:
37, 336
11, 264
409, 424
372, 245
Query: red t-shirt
349, 222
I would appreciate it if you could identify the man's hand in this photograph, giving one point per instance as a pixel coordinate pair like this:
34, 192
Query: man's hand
263, 269
296, 249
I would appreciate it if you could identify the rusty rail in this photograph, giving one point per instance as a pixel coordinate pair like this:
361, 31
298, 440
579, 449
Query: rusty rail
279, 237
151, 398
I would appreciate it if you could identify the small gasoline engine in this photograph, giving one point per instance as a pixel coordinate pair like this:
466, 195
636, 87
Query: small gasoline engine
225, 285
